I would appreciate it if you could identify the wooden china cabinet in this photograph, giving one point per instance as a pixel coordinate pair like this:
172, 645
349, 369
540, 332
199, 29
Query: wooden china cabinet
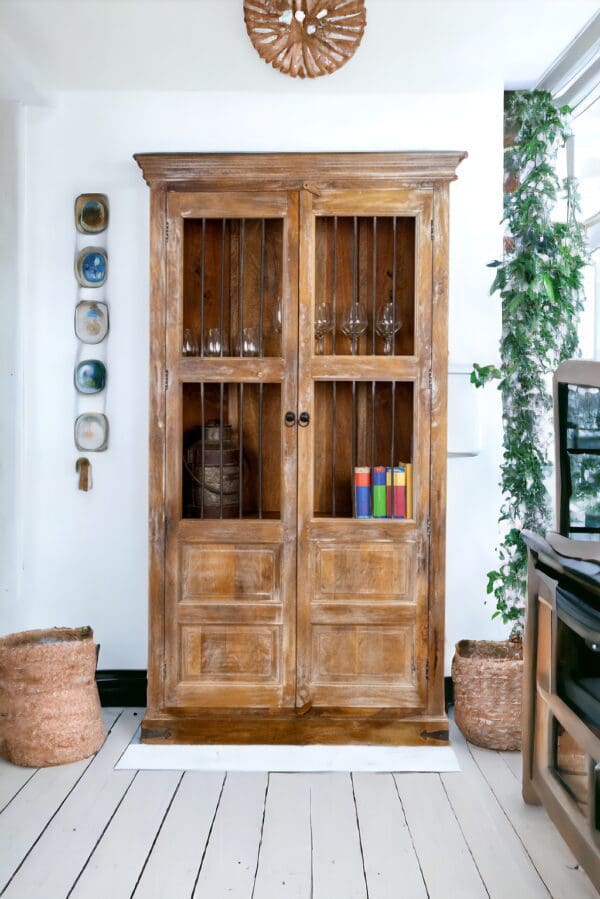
298, 331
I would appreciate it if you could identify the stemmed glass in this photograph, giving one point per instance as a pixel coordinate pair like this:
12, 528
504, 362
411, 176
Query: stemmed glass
277, 316
249, 342
355, 323
323, 325
189, 346
387, 326
214, 342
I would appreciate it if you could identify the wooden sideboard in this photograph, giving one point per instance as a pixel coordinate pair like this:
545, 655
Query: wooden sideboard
561, 716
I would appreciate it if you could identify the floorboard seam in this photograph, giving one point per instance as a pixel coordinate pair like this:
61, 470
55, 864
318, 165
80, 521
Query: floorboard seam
23, 785
262, 830
57, 810
462, 833
156, 835
362, 854
99, 840
210, 830
507, 816
412, 841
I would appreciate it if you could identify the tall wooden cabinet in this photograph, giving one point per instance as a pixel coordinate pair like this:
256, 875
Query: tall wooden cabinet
298, 331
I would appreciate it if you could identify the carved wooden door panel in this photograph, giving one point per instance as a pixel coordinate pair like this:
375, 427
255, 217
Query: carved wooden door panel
231, 471
365, 389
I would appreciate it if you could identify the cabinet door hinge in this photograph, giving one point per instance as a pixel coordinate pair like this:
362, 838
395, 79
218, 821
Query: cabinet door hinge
427, 669
166, 230
164, 669
430, 379
166, 379
428, 528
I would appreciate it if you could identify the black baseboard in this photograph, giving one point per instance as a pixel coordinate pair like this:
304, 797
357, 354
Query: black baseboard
128, 687
448, 692
122, 687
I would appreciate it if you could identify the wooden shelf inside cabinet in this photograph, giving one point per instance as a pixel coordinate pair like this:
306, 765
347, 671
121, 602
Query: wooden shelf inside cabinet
301, 337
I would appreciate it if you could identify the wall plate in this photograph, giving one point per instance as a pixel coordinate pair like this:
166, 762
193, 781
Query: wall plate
91, 432
90, 376
91, 266
91, 321
91, 213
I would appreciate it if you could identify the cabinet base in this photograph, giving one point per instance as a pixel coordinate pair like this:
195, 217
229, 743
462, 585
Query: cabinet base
288, 728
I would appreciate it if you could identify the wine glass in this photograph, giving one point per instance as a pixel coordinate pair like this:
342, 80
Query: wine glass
355, 323
387, 326
249, 342
214, 342
277, 316
323, 325
189, 346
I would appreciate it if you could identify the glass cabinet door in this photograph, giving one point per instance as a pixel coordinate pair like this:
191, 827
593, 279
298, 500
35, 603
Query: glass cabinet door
231, 458
364, 389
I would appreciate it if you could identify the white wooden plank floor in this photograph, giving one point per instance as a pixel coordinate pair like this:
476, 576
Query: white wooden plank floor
88, 830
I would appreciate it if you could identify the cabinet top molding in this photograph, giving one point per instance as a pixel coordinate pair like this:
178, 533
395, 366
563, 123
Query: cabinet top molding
292, 171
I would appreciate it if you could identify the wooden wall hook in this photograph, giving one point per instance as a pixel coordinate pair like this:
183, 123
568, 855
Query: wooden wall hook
83, 467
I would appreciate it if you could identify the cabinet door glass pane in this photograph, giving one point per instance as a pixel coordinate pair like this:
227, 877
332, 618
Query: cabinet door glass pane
365, 285
232, 287
231, 450
580, 460
369, 425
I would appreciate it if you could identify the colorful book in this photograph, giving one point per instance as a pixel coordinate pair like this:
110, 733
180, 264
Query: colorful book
362, 492
409, 487
396, 492
379, 492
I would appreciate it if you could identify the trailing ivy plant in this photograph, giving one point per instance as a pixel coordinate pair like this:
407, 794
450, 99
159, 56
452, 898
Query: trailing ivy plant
540, 284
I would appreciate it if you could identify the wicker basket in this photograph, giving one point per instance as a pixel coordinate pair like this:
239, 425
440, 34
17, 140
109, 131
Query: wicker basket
49, 705
488, 689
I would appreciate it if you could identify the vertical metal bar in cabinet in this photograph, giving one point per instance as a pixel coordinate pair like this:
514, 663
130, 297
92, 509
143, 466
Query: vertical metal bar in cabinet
333, 383
373, 463
202, 263
203, 432
261, 298
374, 294
221, 451
222, 301
355, 283
333, 445
353, 431
393, 447
394, 279
241, 285
260, 448
241, 454
373, 334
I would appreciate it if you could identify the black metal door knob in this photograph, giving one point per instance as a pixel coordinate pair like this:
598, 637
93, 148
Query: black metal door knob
303, 419
290, 419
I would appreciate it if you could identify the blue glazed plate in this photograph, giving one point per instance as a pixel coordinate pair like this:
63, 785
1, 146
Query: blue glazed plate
90, 376
91, 432
91, 267
91, 321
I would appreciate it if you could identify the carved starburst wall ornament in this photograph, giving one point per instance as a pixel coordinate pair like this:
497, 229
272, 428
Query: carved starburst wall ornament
305, 38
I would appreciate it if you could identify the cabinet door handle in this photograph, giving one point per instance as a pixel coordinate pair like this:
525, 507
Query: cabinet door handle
290, 419
303, 419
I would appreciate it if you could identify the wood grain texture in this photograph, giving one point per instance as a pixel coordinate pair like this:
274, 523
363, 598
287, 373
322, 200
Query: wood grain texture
305, 39
291, 171
301, 608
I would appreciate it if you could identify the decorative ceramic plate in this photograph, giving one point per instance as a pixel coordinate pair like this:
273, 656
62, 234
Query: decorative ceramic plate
305, 37
91, 213
91, 432
91, 267
90, 376
91, 321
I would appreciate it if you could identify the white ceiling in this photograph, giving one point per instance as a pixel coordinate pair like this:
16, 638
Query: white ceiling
409, 45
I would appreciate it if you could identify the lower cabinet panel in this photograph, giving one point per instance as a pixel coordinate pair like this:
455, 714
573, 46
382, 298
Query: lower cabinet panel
229, 652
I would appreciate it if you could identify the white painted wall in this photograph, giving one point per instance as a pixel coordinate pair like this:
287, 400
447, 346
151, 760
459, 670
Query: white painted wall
12, 159
85, 554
